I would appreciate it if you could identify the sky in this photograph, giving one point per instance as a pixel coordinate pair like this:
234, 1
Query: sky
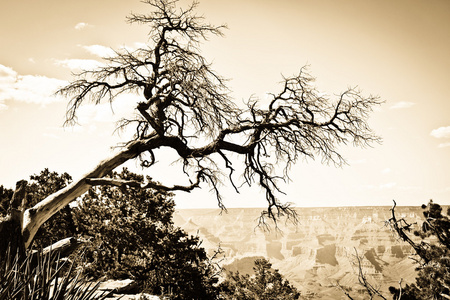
398, 50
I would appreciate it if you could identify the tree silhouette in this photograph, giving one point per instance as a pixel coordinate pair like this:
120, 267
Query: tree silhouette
433, 251
185, 106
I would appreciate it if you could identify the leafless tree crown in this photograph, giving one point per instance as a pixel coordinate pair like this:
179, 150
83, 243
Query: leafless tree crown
186, 106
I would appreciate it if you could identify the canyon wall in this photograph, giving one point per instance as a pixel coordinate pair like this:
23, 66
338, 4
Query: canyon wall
316, 254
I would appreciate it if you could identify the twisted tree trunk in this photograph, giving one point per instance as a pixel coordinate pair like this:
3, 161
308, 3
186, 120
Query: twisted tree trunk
19, 227
35, 216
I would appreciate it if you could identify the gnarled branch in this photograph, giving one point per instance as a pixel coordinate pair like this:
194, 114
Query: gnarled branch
145, 185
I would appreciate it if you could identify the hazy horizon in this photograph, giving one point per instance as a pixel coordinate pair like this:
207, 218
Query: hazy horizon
302, 207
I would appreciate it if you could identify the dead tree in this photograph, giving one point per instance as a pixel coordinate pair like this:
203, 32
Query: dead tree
185, 106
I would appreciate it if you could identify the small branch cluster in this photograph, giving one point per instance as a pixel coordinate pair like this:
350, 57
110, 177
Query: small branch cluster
401, 227
372, 291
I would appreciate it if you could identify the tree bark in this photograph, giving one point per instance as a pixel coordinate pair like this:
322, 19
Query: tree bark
34, 217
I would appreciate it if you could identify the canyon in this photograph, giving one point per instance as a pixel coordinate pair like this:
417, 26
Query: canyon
318, 253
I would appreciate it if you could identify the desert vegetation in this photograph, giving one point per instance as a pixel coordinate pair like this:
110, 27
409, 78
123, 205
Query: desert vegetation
127, 234
432, 281
266, 283
430, 242
136, 238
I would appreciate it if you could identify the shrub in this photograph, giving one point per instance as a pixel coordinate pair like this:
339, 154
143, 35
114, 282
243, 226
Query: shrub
133, 236
265, 284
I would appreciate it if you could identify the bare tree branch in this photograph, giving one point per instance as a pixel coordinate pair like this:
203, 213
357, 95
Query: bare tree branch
364, 282
146, 185
401, 227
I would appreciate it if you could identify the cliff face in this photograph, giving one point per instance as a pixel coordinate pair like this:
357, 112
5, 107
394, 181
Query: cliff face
314, 254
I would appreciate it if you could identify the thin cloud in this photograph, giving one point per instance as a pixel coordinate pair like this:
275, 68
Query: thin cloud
441, 132
140, 45
82, 25
27, 88
103, 51
134, 47
402, 105
7, 73
79, 64
99, 50
444, 145
7, 78
121, 107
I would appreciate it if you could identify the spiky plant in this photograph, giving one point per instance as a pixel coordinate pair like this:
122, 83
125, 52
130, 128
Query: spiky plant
43, 277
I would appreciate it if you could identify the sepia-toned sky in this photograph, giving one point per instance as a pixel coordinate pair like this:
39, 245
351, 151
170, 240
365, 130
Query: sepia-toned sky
399, 50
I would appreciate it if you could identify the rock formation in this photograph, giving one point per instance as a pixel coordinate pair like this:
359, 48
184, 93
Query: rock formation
316, 253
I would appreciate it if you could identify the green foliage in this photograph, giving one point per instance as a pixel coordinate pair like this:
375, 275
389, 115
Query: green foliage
265, 284
43, 277
433, 279
133, 236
